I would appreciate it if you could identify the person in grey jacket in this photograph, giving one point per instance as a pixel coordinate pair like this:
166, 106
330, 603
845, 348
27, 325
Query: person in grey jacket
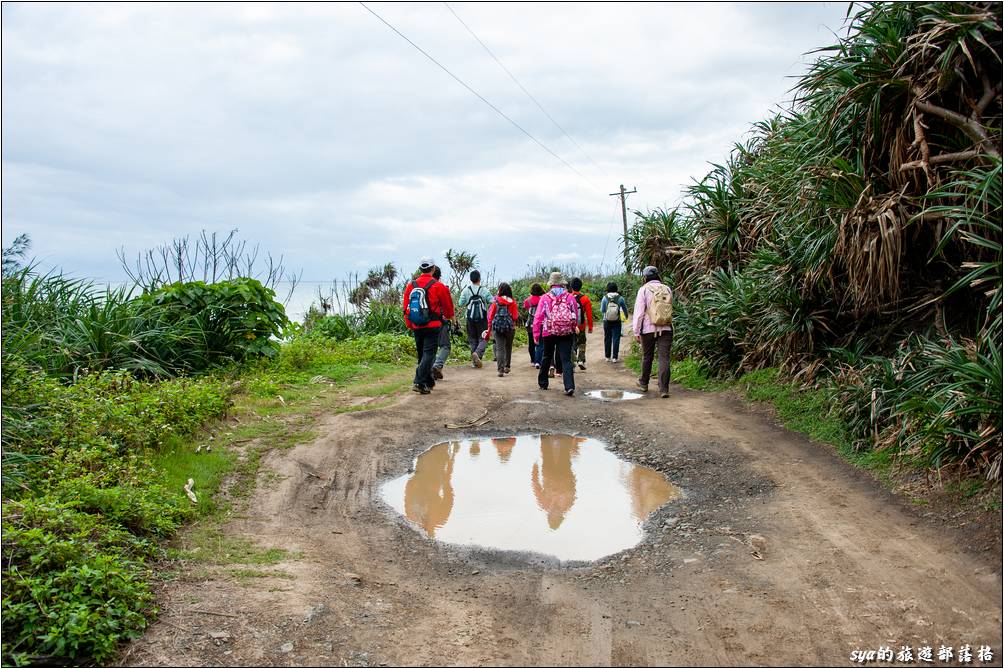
475, 299
614, 311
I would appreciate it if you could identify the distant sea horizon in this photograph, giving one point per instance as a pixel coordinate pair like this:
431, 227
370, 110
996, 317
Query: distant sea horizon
298, 303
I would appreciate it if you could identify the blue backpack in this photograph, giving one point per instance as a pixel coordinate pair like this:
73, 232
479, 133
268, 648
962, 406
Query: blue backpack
419, 310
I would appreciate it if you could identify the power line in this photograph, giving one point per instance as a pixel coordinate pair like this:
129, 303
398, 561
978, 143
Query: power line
523, 88
474, 92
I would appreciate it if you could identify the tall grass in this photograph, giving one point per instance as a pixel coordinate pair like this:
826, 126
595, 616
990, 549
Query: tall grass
855, 238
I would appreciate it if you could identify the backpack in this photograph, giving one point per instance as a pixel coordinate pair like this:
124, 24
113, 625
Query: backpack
613, 311
419, 309
582, 313
477, 310
560, 320
660, 309
531, 314
502, 322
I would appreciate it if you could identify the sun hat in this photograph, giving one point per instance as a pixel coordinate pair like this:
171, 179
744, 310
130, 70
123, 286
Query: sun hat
556, 279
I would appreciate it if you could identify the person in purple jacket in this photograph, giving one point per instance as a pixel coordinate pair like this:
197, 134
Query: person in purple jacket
650, 335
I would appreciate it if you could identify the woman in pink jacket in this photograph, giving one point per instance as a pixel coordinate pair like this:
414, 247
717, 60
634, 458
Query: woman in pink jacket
555, 323
650, 335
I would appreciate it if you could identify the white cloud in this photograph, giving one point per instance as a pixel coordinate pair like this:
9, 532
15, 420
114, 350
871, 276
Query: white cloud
320, 133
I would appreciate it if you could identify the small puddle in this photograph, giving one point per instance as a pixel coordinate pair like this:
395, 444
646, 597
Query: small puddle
612, 395
555, 494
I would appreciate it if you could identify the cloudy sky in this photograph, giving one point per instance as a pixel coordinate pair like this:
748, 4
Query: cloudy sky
323, 135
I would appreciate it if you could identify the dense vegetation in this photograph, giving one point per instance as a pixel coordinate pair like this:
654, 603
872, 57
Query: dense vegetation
101, 392
854, 241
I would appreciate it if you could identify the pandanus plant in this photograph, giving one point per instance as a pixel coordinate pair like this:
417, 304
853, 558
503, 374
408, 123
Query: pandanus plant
859, 232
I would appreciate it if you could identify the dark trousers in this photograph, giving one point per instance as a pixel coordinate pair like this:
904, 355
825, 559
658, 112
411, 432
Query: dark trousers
611, 338
558, 349
649, 343
531, 345
426, 342
474, 340
503, 349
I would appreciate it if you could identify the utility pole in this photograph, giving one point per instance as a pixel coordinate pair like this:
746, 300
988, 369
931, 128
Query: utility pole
623, 196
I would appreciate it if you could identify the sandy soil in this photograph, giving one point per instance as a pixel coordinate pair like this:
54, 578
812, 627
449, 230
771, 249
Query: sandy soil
779, 554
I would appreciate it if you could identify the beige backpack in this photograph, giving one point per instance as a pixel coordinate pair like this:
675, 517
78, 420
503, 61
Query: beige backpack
660, 308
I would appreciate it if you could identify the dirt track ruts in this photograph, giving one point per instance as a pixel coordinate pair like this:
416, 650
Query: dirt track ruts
845, 565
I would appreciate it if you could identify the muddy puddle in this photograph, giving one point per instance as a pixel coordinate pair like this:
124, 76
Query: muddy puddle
609, 395
559, 495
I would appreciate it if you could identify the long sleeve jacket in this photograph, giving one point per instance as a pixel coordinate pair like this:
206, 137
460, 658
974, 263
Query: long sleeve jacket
509, 304
440, 302
540, 318
642, 324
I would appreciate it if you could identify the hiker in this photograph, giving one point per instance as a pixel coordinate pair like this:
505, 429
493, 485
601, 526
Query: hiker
445, 336
585, 321
653, 327
555, 323
502, 317
427, 304
614, 311
530, 306
475, 298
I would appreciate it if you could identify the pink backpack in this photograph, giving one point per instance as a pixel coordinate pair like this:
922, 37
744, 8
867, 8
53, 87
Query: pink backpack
561, 319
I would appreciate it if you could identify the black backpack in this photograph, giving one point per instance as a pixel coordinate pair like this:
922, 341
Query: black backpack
477, 309
582, 313
502, 322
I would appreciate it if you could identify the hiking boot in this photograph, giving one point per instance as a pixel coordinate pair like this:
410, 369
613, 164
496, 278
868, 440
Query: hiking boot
664, 394
570, 392
642, 386
422, 390
476, 360
501, 374
437, 373
550, 373
542, 387
582, 366
506, 370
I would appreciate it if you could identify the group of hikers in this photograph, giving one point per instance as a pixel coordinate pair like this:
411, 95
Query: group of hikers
558, 321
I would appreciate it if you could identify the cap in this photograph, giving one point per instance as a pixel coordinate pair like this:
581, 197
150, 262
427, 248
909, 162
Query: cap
426, 263
650, 271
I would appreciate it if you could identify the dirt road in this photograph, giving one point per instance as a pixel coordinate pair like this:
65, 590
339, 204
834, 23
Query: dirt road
778, 554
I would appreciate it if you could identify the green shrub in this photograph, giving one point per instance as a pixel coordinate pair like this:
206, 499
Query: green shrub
84, 610
383, 347
239, 318
81, 522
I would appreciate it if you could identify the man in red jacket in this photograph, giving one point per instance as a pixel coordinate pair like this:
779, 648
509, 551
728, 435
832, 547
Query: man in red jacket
430, 312
585, 321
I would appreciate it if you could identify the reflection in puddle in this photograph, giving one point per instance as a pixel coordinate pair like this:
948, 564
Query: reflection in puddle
554, 494
612, 395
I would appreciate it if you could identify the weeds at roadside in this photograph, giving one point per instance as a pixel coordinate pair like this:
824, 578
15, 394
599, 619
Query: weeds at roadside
246, 576
208, 544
